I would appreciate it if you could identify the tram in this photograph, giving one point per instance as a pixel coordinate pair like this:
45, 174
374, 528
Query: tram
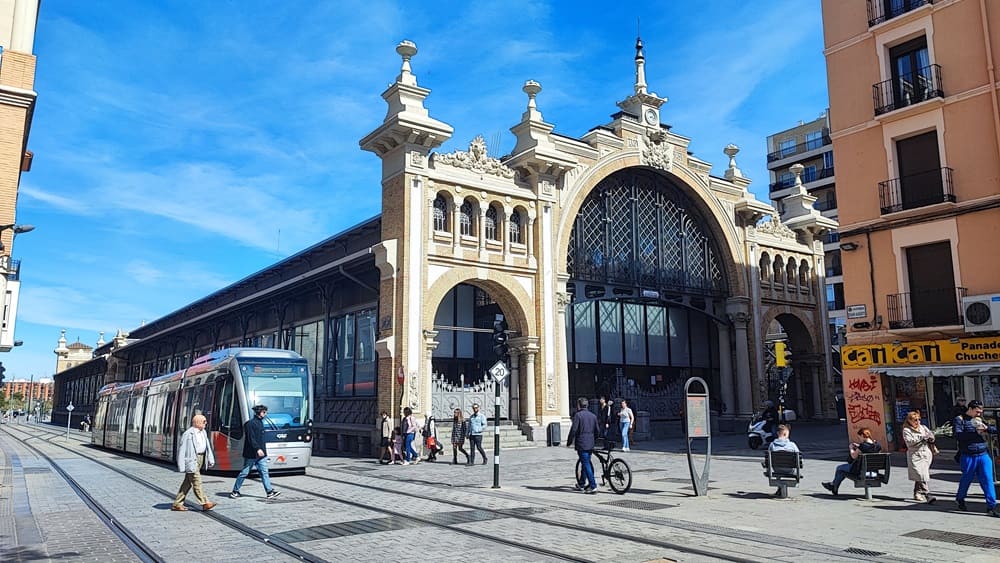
148, 417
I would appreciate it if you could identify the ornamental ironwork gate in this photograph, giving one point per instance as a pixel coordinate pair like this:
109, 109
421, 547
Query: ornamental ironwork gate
446, 396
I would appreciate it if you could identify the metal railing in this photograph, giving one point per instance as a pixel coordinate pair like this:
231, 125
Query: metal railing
908, 89
825, 204
926, 308
806, 178
916, 190
809, 145
880, 11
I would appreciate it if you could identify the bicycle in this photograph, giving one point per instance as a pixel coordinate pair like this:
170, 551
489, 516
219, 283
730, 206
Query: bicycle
615, 472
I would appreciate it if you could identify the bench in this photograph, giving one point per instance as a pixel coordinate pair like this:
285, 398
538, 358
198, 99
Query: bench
874, 472
783, 470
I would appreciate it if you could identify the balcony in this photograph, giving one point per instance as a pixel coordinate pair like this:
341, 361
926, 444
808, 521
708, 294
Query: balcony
907, 89
825, 204
806, 178
809, 145
927, 308
916, 190
880, 11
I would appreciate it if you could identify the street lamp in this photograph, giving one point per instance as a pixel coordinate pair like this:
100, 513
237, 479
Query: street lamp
18, 229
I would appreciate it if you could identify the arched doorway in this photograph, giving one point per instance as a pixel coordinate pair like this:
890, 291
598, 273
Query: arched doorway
464, 323
649, 290
793, 380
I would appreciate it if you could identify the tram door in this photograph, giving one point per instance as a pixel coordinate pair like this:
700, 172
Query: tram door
226, 427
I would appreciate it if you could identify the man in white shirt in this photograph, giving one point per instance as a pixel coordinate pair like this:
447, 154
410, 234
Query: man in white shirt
191, 457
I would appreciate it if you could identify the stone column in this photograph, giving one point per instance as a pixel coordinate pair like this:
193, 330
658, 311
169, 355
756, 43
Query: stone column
818, 410
563, 300
727, 391
743, 379
482, 230
430, 344
529, 235
456, 225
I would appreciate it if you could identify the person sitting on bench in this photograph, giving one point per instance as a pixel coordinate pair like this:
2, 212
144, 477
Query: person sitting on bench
867, 445
782, 444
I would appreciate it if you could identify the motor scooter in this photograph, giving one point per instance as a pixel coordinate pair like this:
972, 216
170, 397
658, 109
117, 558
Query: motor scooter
756, 436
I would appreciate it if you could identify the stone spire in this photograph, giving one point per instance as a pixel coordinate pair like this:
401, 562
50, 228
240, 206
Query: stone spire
407, 124
61, 348
535, 155
640, 68
100, 339
799, 214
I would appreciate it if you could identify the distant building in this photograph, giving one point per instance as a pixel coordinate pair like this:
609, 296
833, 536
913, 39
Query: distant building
915, 124
29, 390
17, 105
74, 354
809, 146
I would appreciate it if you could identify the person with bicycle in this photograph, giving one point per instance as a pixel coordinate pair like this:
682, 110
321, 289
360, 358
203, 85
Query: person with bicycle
584, 433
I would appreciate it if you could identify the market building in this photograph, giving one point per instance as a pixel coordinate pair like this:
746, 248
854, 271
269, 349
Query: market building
915, 124
613, 264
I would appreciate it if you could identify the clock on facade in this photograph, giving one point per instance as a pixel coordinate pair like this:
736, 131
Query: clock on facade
651, 116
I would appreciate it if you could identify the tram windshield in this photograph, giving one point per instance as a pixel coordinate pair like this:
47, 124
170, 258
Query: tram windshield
282, 388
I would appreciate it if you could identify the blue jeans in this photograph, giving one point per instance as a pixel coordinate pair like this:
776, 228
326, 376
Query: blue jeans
588, 469
409, 454
249, 463
843, 470
624, 427
980, 467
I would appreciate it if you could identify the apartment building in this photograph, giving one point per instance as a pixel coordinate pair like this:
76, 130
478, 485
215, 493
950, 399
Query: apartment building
808, 144
915, 125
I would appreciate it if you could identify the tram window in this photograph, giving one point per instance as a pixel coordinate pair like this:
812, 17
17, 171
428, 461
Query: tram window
224, 405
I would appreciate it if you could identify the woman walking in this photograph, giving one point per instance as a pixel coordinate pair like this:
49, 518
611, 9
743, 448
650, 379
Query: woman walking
458, 432
919, 454
626, 420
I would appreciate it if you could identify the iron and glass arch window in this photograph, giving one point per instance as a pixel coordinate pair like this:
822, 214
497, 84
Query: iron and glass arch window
440, 214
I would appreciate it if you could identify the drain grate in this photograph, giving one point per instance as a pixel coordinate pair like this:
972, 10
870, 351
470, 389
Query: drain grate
648, 470
865, 552
358, 468
28, 470
681, 480
956, 538
638, 504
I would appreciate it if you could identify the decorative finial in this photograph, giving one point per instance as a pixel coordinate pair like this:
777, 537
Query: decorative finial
797, 170
531, 88
640, 68
406, 49
733, 171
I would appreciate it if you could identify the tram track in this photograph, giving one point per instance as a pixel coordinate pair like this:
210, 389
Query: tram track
284, 546
130, 539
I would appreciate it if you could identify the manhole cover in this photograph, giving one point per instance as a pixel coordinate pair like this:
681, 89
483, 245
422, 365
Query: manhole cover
638, 505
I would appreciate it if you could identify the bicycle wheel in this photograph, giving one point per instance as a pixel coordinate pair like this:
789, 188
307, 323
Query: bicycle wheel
580, 477
620, 476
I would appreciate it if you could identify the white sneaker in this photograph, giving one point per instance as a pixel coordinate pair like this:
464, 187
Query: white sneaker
406, 463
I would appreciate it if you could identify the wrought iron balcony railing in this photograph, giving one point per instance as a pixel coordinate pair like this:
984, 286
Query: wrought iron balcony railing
799, 148
916, 190
825, 204
926, 308
908, 89
884, 10
806, 178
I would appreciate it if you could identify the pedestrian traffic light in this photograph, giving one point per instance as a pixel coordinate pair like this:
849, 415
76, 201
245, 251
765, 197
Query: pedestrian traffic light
781, 354
500, 337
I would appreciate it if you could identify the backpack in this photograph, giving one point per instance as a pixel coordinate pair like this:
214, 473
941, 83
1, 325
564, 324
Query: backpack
428, 425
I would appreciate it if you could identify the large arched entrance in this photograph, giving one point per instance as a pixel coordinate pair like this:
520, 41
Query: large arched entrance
649, 290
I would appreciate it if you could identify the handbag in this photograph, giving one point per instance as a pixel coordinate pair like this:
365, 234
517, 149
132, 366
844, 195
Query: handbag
934, 449
432, 442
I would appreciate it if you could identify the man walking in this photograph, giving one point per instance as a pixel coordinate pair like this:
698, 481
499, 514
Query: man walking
975, 461
254, 453
583, 433
477, 423
192, 455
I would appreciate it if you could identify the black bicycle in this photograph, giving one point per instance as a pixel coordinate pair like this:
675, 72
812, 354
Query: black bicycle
614, 471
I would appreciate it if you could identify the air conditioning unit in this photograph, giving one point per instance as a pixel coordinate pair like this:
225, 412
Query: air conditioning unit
981, 312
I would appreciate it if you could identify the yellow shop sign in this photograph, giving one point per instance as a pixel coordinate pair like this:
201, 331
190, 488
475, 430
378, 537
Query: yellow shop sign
964, 351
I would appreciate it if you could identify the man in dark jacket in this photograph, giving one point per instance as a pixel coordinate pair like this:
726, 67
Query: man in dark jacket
604, 418
970, 432
584, 433
254, 453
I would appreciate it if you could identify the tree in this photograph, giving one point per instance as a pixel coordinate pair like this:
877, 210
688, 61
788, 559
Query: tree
17, 401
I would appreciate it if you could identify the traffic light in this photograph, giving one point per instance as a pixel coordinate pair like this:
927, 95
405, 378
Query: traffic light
781, 354
2, 370
500, 337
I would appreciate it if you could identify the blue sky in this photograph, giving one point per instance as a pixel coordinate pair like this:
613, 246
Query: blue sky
181, 146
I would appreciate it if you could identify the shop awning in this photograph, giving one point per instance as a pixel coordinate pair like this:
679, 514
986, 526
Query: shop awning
937, 370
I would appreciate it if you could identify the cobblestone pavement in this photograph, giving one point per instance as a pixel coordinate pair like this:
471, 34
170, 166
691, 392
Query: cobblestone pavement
356, 509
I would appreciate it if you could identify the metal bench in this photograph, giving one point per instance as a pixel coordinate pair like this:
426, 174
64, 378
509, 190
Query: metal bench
874, 472
783, 470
